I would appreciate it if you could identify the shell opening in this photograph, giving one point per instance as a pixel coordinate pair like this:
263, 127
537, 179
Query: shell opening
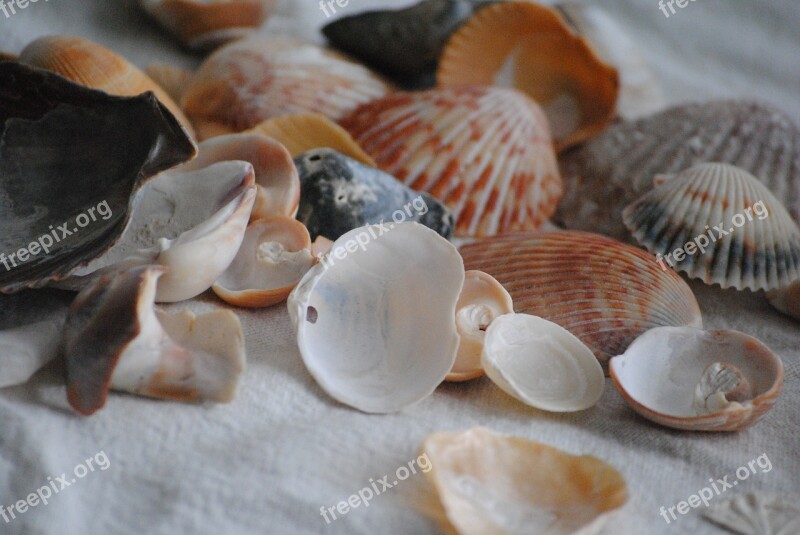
311, 315
475, 317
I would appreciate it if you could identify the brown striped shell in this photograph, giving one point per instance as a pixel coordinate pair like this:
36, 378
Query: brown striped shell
485, 152
604, 292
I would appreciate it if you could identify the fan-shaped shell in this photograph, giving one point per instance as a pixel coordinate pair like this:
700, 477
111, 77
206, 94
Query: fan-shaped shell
608, 173
485, 152
604, 292
544, 58
255, 79
718, 223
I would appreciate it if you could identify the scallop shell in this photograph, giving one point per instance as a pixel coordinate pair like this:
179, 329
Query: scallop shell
610, 172
501, 485
307, 131
757, 513
203, 24
669, 375
485, 152
62, 154
255, 79
376, 322
97, 67
740, 234
532, 46
604, 292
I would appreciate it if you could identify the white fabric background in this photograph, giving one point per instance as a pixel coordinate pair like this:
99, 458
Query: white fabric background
268, 461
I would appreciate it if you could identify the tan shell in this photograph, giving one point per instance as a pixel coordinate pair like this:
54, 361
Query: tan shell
173, 80
491, 484
604, 292
686, 378
97, 67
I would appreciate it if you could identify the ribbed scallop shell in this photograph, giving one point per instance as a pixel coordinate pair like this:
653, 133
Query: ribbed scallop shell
750, 239
604, 292
256, 79
609, 172
486, 152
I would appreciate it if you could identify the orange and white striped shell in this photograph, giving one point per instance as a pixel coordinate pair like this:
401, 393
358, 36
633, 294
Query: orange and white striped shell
255, 79
486, 152
604, 292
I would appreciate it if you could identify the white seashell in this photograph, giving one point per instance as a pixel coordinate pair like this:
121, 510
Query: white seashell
748, 238
757, 513
674, 376
541, 364
376, 325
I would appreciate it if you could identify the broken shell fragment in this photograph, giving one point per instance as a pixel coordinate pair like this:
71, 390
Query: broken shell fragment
339, 194
204, 24
376, 326
485, 152
482, 300
531, 46
686, 378
495, 484
541, 364
115, 339
273, 257
63, 158
754, 242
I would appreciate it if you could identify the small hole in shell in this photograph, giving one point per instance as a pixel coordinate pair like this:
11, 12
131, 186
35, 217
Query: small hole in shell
315, 158
311, 315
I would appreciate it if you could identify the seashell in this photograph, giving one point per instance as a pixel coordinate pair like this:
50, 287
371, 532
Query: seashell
686, 378
613, 170
306, 131
204, 24
277, 182
376, 327
541, 364
60, 159
171, 79
604, 292
255, 79
640, 90
786, 300
97, 67
529, 46
489, 483
405, 43
760, 253
485, 152
274, 256
30, 332
191, 222
757, 513
482, 300
339, 194
8, 56
115, 339
321, 247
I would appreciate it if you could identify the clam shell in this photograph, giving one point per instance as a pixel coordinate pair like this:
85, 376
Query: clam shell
489, 483
376, 325
485, 152
608, 173
604, 292
339, 194
757, 513
531, 46
97, 67
255, 79
761, 246
660, 372
62, 154
204, 24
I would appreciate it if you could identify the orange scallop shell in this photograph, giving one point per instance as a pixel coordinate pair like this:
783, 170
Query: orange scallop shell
603, 291
485, 152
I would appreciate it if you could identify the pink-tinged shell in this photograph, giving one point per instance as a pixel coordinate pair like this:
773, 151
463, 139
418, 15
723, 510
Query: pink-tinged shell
486, 152
604, 292
255, 79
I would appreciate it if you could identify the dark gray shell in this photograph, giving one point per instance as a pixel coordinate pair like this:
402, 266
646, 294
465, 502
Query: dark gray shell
338, 194
404, 44
66, 149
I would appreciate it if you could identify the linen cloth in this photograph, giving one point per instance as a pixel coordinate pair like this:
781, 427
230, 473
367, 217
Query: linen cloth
267, 462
